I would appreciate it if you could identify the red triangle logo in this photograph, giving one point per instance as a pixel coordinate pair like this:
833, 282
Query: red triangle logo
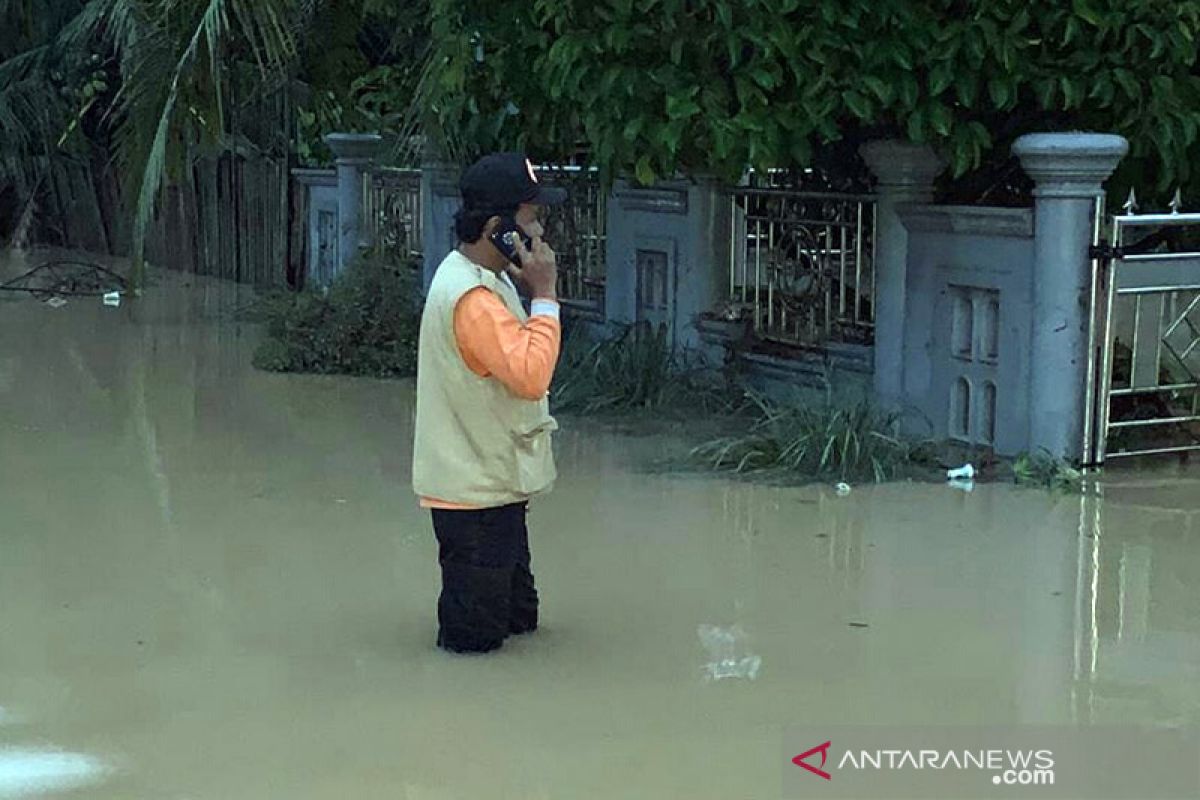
823, 749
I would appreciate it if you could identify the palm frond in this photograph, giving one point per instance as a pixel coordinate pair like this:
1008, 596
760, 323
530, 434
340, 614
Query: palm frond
30, 23
150, 108
21, 65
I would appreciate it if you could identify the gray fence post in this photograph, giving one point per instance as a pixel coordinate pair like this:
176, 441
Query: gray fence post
439, 202
667, 254
1069, 170
904, 173
355, 154
320, 243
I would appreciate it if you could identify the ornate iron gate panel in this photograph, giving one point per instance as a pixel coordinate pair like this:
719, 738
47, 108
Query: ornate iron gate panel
802, 265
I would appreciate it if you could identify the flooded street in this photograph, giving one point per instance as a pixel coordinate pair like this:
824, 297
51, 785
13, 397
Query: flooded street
216, 583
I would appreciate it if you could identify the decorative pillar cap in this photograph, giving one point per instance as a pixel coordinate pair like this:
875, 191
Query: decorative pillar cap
354, 147
1070, 164
895, 163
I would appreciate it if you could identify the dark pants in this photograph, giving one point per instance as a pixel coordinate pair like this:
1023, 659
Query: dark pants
487, 587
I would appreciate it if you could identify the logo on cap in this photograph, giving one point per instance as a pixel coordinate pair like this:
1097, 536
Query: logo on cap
529, 168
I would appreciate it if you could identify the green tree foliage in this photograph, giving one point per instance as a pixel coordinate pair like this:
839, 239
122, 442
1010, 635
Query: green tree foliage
365, 69
149, 82
659, 86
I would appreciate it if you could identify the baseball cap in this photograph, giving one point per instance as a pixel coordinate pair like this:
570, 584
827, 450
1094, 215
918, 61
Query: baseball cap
505, 180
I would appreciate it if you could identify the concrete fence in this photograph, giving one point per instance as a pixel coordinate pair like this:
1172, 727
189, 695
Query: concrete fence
973, 319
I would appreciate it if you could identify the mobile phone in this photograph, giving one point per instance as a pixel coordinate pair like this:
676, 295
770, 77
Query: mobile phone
505, 239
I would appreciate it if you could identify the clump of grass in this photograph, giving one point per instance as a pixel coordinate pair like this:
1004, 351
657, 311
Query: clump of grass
1045, 470
850, 441
637, 369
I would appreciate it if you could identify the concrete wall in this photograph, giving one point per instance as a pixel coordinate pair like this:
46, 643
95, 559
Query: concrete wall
979, 332
667, 255
321, 225
967, 324
983, 322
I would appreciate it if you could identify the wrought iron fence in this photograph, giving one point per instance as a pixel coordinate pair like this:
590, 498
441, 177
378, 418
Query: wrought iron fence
802, 264
577, 231
392, 210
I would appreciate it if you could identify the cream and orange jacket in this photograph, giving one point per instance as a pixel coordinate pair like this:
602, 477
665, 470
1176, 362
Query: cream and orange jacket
483, 425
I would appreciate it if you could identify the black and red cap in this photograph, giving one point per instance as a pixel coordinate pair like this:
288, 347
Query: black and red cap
505, 180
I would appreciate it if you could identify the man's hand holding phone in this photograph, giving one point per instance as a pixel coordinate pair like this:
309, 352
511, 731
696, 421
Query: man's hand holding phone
538, 270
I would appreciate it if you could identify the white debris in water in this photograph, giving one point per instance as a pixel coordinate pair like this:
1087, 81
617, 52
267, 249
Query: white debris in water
724, 644
56, 302
112, 299
25, 773
965, 472
842, 489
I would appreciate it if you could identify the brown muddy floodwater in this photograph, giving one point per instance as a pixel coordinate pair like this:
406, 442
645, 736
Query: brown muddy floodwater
215, 583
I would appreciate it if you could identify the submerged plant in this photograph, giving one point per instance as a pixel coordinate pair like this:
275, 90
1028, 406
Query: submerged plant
1043, 469
638, 368
823, 439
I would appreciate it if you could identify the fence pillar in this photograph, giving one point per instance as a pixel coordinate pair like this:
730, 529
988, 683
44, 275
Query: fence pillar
904, 174
439, 201
1069, 170
667, 254
355, 154
320, 230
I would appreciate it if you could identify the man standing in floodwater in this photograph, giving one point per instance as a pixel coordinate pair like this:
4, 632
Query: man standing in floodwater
483, 429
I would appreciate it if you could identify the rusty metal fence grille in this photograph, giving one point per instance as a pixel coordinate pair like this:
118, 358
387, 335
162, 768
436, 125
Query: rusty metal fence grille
578, 232
802, 265
392, 212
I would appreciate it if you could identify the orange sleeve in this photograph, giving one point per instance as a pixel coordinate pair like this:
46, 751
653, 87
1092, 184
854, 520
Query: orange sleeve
494, 343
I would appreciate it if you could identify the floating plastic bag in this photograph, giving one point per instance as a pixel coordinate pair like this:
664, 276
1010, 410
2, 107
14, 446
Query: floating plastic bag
727, 647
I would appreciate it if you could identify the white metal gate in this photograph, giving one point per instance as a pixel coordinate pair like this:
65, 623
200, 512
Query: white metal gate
1144, 391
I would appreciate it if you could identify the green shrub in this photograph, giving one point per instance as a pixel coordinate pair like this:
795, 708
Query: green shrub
365, 324
815, 440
